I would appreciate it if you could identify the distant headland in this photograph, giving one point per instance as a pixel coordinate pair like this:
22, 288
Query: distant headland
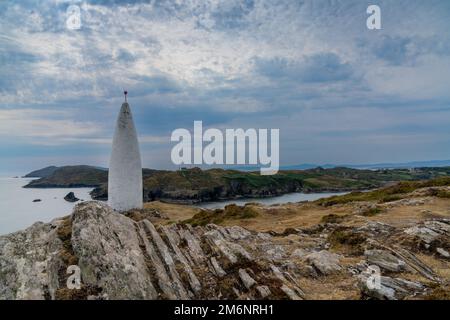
195, 185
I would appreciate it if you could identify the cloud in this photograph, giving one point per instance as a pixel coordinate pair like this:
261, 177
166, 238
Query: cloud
223, 62
40, 125
317, 68
394, 50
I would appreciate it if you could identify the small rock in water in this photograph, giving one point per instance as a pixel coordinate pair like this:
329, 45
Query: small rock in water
37, 200
70, 197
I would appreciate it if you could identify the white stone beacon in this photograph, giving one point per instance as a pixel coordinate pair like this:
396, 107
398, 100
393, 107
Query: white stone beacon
125, 166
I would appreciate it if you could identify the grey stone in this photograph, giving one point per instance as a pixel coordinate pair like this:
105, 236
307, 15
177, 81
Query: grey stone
246, 279
264, 291
385, 260
299, 253
443, 252
123, 259
217, 268
388, 288
324, 261
109, 253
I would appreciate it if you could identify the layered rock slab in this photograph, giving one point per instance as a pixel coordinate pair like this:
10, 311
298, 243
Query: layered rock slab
128, 257
120, 258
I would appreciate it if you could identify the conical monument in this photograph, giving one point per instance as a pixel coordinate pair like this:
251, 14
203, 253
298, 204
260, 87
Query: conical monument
125, 167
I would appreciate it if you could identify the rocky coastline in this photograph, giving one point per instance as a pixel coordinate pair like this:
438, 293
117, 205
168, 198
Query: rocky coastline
293, 251
191, 186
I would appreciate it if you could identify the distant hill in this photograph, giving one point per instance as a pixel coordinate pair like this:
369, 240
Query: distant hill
196, 185
42, 173
387, 165
48, 171
70, 177
413, 164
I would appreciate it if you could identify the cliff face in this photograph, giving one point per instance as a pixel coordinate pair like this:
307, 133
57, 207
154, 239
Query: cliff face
131, 258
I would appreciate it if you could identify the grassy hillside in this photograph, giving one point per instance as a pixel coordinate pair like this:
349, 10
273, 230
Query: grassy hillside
72, 177
42, 173
196, 185
391, 193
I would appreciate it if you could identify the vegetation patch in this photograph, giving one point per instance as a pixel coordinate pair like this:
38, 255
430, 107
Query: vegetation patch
218, 216
332, 218
64, 233
145, 214
443, 194
438, 293
387, 194
347, 240
372, 211
77, 294
71, 177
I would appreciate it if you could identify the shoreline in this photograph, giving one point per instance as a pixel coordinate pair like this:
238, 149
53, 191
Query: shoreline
319, 243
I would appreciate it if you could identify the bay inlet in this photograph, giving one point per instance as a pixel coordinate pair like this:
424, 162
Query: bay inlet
18, 211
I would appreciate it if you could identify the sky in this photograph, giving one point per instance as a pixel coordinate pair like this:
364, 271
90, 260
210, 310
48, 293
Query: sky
338, 92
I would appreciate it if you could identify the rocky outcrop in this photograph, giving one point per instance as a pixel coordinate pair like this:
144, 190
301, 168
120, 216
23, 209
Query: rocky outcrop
30, 262
385, 260
432, 233
387, 288
324, 262
129, 257
70, 197
120, 258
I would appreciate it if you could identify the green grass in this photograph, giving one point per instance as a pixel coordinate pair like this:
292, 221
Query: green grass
344, 239
387, 194
214, 184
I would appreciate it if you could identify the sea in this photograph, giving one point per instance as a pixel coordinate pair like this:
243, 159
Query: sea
18, 211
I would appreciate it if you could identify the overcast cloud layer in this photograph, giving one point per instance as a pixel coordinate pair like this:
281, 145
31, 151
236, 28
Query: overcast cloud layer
339, 93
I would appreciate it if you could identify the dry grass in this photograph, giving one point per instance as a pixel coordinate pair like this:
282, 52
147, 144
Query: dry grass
304, 215
175, 212
230, 212
334, 287
333, 218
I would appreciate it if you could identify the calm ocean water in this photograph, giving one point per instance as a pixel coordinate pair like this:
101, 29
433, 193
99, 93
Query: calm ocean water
18, 211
